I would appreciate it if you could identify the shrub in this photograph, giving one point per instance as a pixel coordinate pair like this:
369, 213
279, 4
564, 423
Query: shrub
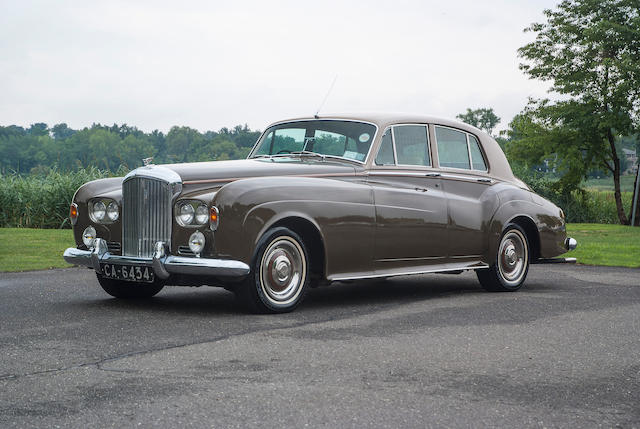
579, 205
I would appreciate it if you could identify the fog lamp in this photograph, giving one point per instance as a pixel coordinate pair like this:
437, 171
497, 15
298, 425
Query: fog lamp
89, 236
196, 242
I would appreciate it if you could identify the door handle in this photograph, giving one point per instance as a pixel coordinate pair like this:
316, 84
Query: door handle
432, 174
421, 189
484, 180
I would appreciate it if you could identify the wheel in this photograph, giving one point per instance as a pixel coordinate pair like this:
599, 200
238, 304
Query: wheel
508, 272
279, 276
129, 290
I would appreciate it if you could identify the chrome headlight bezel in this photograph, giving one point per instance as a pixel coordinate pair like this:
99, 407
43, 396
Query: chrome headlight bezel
98, 209
191, 213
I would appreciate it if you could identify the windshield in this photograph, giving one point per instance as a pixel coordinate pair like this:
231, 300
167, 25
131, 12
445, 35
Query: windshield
345, 139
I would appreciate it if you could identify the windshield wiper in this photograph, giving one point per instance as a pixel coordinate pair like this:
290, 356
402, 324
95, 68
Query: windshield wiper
309, 154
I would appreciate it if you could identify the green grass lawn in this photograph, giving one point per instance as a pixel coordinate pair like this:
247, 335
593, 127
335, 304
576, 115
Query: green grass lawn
603, 244
24, 249
606, 183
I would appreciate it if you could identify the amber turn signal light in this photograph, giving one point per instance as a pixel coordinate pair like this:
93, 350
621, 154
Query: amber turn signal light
214, 218
73, 213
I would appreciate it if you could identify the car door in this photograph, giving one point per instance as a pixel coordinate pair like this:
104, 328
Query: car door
466, 184
411, 208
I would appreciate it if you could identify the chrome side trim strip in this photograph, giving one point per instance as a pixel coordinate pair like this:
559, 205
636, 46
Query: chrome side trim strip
441, 269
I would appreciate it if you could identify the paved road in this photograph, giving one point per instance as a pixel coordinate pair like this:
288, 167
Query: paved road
414, 351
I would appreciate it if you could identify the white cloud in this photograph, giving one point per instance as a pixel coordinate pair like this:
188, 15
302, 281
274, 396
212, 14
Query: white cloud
213, 64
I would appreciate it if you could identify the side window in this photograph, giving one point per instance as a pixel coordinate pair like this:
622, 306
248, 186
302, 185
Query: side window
385, 153
412, 146
452, 148
476, 154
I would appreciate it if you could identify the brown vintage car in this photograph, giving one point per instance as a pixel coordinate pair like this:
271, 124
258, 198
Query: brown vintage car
319, 199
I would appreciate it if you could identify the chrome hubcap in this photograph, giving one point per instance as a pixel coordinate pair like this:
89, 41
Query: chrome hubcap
282, 270
513, 257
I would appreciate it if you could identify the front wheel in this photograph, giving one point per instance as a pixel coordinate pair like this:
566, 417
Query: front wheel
279, 276
509, 270
129, 290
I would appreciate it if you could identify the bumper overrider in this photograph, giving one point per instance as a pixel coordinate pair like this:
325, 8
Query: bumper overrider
163, 265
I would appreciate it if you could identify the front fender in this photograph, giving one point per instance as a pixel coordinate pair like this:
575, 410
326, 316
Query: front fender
341, 211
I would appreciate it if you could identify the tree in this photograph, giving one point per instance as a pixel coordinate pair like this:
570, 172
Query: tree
61, 131
589, 50
39, 129
484, 118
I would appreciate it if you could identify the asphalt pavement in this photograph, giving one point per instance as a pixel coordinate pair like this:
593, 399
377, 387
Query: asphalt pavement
422, 351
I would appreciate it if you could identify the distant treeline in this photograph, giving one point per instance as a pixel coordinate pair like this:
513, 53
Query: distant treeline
39, 148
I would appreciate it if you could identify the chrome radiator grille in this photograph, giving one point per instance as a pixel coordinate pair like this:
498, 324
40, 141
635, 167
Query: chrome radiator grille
146, 209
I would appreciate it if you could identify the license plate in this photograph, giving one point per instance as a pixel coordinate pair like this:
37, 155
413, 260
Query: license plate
131, 273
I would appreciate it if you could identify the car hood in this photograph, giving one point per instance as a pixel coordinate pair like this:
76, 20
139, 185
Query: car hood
223, 171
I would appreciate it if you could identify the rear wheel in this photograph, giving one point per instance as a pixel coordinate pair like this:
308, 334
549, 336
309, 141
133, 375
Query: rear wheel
129, 290
279, 276
510, 268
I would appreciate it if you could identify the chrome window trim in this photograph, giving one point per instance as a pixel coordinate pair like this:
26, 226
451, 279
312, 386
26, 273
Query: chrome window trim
395, 154
468, 150
484, 158
366, 158
393, 146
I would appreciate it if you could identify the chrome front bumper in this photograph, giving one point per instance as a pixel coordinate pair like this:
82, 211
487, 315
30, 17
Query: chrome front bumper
163, 265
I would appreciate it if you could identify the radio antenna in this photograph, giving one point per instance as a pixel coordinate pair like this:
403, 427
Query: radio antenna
325, 97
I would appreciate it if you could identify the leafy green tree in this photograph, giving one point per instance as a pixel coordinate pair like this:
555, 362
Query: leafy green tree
589, 50
183, 143
61, 131
39, 129
484, 118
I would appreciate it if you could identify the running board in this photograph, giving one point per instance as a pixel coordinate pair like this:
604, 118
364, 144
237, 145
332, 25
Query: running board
555, 261
453, 268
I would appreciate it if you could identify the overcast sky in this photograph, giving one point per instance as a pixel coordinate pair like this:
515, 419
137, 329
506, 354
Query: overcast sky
210, 64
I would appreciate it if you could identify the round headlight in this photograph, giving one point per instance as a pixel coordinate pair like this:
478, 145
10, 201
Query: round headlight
112, 211
88, 236
202, 214
196, 242
98, 210
185, 214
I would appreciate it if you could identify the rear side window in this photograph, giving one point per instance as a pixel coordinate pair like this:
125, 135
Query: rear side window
457, 149
477, 161
452, 148
404, 145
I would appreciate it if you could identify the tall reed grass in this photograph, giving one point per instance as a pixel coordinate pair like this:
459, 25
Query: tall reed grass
41, 201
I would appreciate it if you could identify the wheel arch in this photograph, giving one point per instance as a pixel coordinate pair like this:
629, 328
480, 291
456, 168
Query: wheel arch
533, 235
310, 233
